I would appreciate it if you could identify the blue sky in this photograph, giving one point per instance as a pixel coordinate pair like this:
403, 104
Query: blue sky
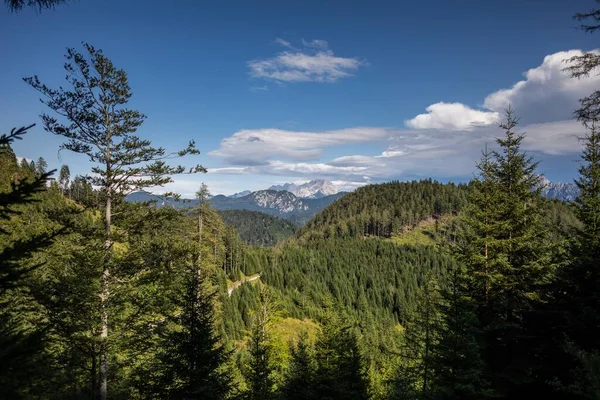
353, 92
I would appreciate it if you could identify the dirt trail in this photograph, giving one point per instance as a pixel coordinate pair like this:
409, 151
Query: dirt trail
237, 284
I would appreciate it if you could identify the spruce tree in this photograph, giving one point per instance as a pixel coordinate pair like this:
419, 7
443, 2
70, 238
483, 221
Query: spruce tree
577, 294
102, 128
300, 383
260, 369
41, 166
21, 344
340, 366
63, 178
457, 359
509, 261
421, 336
192, 356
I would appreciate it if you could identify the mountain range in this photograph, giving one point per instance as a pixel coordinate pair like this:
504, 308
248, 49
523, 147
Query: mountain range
564, 191
281, 203
315, 189
299, 203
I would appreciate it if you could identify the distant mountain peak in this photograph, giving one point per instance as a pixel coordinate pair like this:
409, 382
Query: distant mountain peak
564, 191
314, 189
240, 194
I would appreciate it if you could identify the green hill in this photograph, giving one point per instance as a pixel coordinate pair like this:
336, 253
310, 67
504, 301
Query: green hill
257, 228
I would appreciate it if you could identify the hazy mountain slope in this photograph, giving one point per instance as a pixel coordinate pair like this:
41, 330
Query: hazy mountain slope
257, 228
311, 190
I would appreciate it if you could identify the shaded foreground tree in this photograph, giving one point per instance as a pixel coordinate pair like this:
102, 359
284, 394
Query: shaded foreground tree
505, 249
586, 64
39, 5
20, 346
192, 358
95, 122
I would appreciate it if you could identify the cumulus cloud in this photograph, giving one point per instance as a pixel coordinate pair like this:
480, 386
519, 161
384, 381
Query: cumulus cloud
314, 63
547, 93
419, 153
257, 146
444, 142
453, 116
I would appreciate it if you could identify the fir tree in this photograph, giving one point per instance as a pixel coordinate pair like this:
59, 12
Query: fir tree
41, 166
192, 357
100, 127
457, 360
64, 178
300, 383
260, 369
509, 261
577, 292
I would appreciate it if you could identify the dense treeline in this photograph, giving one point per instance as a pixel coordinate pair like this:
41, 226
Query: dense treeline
385, 209
258, 229
105, 299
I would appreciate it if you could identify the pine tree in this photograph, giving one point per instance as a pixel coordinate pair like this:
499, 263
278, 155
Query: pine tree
21, 344
583, 66
192, 357
41, 167
260, 382
508, 261
103, 129
577, 293
340, 366
421, 336
300, 383
457, 360
64, 177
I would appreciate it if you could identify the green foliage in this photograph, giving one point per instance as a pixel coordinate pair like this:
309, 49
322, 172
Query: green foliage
385, 209
191, 357
258, 229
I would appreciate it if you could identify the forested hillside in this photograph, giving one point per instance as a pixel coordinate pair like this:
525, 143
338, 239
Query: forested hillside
257, 228
402, 290
382, 210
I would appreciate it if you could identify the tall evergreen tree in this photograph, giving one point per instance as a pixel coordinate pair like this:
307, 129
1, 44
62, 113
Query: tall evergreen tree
101, 127
20, 343
41, 166
421, 336
584, 65
63, 178
300, 383
457, 359
577, 294
340, 366
260, 382
508, 260
192, 356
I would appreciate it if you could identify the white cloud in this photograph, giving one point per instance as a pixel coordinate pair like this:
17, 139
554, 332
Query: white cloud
256, 146
283, 43
264, 88
315, 63
453, 116
547, 93
317, 44
417, 153
445, 142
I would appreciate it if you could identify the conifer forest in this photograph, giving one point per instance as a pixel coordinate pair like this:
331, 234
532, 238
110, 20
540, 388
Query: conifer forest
404, 289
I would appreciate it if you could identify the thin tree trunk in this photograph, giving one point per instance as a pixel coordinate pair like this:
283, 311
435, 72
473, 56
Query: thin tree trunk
104, 303
105, 291
93, 373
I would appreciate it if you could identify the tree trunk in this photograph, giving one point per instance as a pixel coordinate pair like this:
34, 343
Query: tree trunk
93, 373
105, 293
